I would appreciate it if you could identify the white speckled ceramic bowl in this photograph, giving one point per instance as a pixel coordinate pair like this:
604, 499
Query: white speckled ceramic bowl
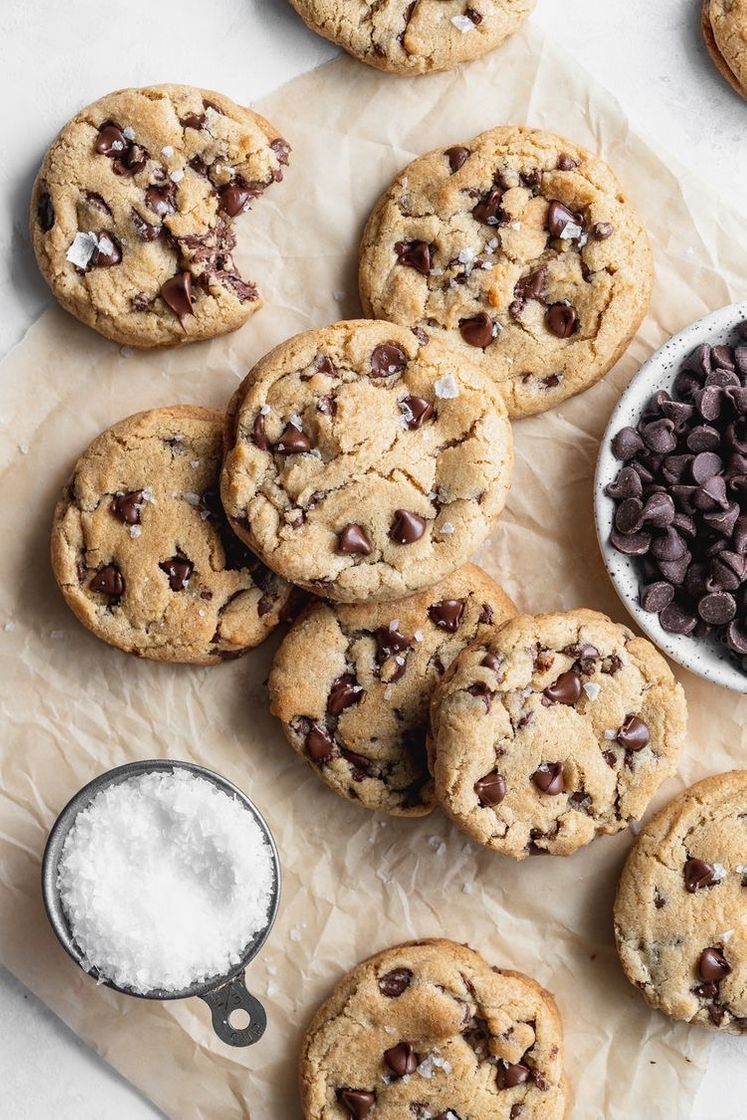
706, 657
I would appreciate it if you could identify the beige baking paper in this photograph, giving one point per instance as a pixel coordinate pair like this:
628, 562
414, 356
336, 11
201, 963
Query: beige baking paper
353, 882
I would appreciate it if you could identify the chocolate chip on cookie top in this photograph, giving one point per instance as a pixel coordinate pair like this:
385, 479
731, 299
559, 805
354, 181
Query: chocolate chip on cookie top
520, 249
365, 461
142, 549
132, 213
680, 906
352, 685
429, 1030
418, 37
554, 729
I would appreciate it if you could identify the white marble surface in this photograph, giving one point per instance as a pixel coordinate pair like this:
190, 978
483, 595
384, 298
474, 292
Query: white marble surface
57, 58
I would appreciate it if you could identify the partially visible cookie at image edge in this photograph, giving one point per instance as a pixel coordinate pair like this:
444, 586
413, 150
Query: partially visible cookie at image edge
681, 906
724, 27
415, 38
142, 550
519, 249
133, 212
428, 1029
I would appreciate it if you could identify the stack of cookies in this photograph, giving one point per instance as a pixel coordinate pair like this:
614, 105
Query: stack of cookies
355, 471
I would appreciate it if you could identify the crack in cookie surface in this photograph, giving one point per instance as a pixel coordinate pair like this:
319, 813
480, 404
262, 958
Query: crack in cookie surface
520, 250
352, 685
143, 552
554, 729
364, 462
133, 209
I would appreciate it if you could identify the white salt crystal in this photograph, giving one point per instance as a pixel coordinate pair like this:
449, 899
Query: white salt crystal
571, 231
390, 1030
466, 256
148, 497
447, 529
167, 150
164, 879
176, 176
592, 690
82, 249
446, 387
294, 934
388, 693
418, 635
194, 464
265, 410
128, 133
467, 888
135, 530
191, 497
726, 936
272, 989
610, 734
463, 24
719, 872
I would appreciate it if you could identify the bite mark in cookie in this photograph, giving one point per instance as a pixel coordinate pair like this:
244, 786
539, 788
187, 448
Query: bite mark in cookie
133, 210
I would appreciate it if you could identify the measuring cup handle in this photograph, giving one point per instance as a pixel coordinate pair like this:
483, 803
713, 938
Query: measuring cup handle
234, 996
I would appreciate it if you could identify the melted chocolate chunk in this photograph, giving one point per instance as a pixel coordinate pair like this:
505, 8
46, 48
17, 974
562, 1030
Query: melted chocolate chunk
415, 255
401, 1060
177, 294
178, 569
407, 527
45, 212
108, 581
352, 540
457, 157
549, 778
477, 331
127, 507
393, 984
319, 744
387, 359
447, 614
567, 689
344, 693
699, 874
491, 789
416, 411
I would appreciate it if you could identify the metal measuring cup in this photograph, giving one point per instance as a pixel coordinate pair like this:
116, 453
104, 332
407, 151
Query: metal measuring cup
222, 994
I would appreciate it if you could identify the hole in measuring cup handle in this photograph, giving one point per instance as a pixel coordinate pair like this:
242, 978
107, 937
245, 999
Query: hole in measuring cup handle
234, 996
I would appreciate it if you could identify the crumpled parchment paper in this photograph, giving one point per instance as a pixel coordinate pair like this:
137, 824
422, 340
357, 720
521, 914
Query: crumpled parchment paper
353, 882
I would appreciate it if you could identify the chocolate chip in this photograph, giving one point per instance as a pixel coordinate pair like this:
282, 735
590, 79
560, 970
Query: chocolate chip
600, 231
293, 441
193, 120
659, 436
177, 294
659, 510
282, 150
561, 320
390, 641
110, 140
486, 614
488, 209
510, 1075
558, 217
656, 596
629, 516
45, 212
259, 437
160, 200
447, 614
358, 1102
127, 507
477, 331
634, 734
401, 1060
352, 540
713, 966
627, 485
531, 286
416, 411
675, 619
699, 874
144, 230
108, 581
344, 693
107, 253
319, 744
490, 661
414, 254
626, 444
457, 157
491, 789
632, 544
234, 198
387, 359
393, 984
567, 163
178, 569
566, 689
549, 778
407, 527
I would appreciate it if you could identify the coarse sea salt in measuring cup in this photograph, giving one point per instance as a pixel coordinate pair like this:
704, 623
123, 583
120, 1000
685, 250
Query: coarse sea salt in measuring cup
164, 880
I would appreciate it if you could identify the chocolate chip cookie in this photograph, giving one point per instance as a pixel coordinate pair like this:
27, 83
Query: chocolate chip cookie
518, 248
143, 552
429, 1030
365, 461
552, 729
681, 910
352, 684
415, 38
132, 213
724, 26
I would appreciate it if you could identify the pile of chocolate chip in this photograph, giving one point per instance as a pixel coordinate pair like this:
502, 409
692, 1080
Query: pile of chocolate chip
681, 497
